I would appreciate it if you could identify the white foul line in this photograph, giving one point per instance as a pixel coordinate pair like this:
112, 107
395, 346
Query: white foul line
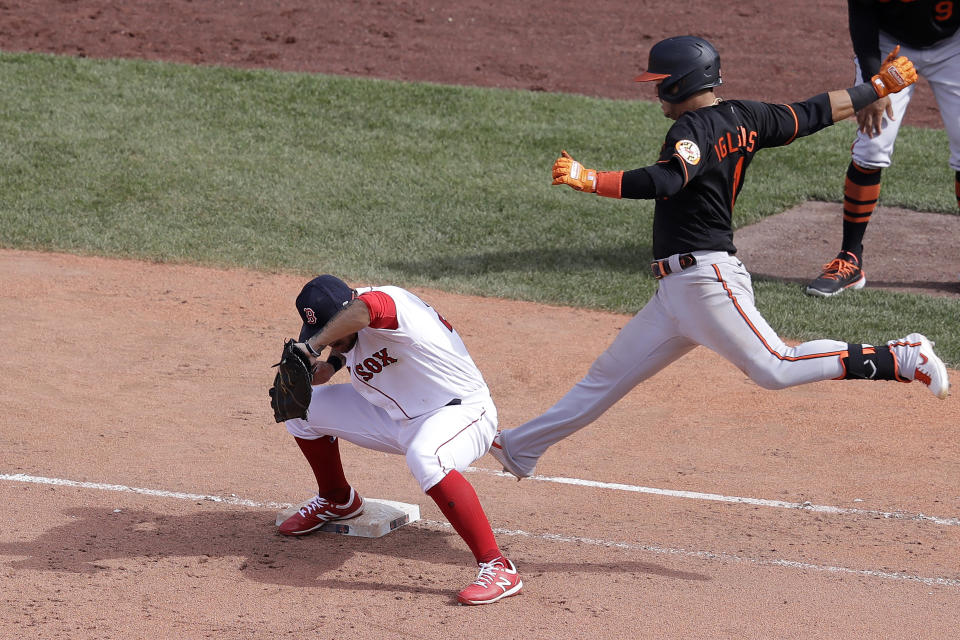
231, 499
723, 557
551, 537
760, 502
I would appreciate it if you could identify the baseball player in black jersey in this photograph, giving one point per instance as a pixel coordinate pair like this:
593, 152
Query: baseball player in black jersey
705, 295
927, 33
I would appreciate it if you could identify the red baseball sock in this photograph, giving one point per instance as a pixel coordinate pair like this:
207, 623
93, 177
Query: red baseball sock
323, 454
461, 506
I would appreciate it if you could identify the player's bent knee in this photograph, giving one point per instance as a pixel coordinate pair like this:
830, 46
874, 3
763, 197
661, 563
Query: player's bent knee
769, 380
425, 467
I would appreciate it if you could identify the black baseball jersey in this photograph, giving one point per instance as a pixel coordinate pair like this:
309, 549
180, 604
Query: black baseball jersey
711, 149
916, 23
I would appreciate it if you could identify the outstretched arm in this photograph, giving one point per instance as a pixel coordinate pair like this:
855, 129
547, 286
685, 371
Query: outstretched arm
896, 73
661, 179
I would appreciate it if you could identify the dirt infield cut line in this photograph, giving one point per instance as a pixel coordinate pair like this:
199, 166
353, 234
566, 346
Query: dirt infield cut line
759, 502
549, 537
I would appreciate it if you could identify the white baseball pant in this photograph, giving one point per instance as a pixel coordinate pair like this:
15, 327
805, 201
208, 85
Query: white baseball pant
451, 437
940, 66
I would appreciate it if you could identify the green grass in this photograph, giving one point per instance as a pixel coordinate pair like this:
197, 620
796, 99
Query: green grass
413, 184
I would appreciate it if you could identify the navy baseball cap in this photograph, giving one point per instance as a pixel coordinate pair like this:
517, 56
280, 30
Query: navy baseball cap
320, 300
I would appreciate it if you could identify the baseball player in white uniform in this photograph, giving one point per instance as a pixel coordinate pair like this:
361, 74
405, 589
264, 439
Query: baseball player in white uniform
415, 391
705, 294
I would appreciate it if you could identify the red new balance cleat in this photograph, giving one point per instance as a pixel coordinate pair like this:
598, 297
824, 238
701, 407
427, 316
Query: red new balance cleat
496, 580
319, 511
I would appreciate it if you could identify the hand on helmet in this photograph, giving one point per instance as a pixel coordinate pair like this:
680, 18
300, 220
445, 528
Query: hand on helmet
568, 171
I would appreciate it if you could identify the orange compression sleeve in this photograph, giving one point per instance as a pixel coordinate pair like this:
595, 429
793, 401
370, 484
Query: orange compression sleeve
608, 183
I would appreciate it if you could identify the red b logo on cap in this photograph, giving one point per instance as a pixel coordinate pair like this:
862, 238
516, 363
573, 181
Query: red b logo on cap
310, 315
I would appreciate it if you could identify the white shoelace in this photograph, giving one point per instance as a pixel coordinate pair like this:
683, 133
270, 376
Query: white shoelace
487, 573
316, 504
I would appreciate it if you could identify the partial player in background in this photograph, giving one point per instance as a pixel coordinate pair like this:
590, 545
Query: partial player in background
705, 294
415, 391
926, 31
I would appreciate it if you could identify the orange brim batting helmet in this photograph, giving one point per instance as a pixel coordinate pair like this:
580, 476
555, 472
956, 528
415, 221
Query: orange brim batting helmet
684, 65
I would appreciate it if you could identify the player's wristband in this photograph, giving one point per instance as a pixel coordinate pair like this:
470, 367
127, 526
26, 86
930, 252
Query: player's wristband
336, 361
310, 349
608, 183
862, 95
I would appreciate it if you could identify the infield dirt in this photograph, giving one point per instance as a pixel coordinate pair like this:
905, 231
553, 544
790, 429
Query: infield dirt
115, 373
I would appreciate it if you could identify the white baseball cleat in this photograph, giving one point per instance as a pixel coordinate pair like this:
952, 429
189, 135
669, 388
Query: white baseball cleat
501, 455
923, 365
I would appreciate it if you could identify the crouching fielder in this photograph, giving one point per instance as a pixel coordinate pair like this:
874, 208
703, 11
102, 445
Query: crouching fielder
415, 391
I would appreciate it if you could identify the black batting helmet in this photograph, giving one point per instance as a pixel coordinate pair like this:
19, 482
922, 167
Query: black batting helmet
685, 64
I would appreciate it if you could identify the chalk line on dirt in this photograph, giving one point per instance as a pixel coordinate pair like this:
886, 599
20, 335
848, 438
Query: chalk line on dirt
550, 537
760, 502
231, 499
713, 555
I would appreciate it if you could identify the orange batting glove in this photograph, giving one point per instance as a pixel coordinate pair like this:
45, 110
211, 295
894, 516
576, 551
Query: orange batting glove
568, 171
896, 73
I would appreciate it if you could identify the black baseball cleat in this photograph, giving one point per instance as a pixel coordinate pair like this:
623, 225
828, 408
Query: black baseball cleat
840, 274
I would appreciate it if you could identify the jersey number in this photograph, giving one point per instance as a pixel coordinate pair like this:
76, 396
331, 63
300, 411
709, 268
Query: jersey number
944, 10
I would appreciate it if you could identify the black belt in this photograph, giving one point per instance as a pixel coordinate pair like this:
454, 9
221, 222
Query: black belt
453, 402
661, 268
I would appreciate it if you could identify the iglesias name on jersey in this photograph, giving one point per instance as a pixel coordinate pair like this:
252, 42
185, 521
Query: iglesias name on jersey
712, 148
410, 360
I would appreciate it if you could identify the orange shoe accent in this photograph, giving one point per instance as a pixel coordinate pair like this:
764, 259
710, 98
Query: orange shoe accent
838, 275
838, 269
